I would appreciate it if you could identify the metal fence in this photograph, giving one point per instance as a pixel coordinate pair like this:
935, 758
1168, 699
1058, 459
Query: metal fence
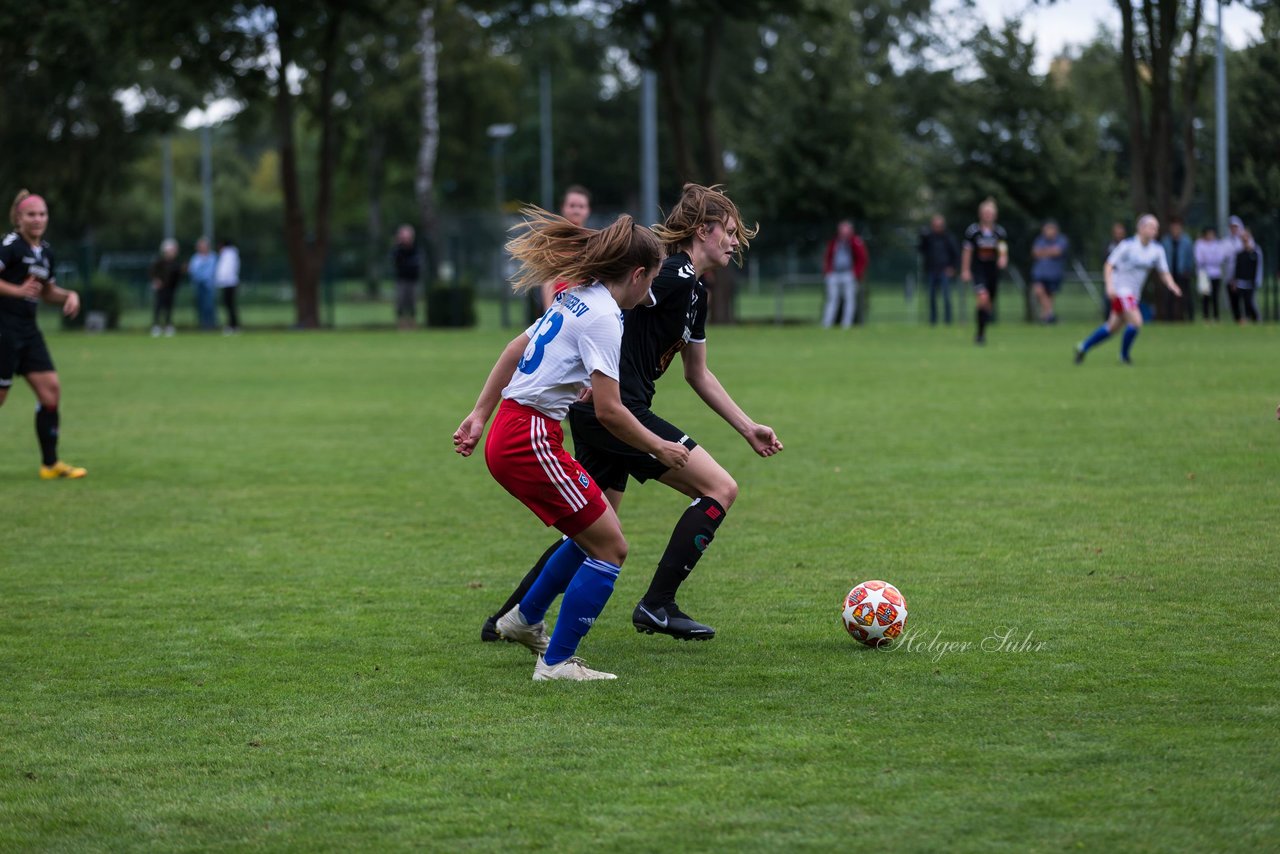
781, 282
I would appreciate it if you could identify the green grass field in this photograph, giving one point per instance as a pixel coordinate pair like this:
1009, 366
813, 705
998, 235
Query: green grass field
255, 625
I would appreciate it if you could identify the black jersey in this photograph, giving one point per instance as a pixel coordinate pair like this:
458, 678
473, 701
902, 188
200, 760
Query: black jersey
674, 314
985, 243
19, 259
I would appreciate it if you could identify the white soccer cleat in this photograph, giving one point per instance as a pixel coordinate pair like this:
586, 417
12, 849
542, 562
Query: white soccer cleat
572, 669
512, 627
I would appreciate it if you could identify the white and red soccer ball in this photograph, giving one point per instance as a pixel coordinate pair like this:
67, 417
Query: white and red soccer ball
875, 613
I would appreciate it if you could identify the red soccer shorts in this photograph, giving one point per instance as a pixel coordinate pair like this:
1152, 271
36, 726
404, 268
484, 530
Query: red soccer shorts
1125, 303
525, 453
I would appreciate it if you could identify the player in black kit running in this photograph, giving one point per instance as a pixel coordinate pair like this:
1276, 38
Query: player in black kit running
26, 278
703, 232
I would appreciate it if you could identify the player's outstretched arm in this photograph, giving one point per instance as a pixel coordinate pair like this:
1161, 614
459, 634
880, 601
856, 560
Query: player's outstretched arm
760, 437
620, 421
1108, 280
468, 434
1171, 284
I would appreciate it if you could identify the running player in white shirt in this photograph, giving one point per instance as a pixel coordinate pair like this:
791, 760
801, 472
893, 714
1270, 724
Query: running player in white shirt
1125, 272
573, 346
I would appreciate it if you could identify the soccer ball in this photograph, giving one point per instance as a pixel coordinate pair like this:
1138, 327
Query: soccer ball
875, 613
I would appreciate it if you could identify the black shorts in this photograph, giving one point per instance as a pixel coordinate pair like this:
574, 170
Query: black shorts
986, 279
608, 459
22, 351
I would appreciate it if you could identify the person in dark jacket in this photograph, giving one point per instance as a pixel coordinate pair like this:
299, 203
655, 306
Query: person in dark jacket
408, 267
166, 274
941, 255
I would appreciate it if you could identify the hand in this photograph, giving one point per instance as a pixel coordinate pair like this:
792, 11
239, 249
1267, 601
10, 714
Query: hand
966, 277
468, 434
156, 284
762, 440
1177, 291
31, 288
584, 396
673, 455
71, 307
950, 271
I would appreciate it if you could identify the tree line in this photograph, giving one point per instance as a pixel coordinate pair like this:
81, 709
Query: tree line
355, 114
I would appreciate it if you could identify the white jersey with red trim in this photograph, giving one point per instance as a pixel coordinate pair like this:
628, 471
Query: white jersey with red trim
580, 333
1131, 263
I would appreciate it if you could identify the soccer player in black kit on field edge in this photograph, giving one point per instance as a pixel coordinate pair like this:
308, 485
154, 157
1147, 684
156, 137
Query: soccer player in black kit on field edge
26, 277
703, 232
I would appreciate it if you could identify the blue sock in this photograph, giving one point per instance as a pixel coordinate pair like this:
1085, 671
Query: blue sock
583, 602
553, 580
1102, 333
1130, 333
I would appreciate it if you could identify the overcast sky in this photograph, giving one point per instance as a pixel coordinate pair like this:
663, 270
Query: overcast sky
1076, 22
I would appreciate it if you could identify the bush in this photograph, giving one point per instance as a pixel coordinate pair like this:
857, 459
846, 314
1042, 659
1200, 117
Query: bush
451, 305
105, 295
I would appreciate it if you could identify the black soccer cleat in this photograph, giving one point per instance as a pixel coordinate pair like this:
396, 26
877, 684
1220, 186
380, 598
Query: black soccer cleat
1079, 353
669, 620
489, 631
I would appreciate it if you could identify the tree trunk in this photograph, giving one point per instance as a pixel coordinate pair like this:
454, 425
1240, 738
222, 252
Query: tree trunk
305, 279
429, 144
671, 75
1190, 95
1133, 102
712, 154
306, 256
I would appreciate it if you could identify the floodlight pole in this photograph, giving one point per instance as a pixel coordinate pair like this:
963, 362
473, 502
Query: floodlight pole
649, 212
544, 133
499, 133
206, 181
167, 185
1220, 130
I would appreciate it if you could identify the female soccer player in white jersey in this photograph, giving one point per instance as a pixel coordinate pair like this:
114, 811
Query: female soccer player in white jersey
1125, 272
702, 233
574, 345
26, 278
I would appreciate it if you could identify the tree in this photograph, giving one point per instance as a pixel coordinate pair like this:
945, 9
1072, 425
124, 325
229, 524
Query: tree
1159, 55
84, 99
1022, 138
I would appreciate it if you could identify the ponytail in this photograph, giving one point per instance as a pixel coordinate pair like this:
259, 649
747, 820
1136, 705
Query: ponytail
551, 247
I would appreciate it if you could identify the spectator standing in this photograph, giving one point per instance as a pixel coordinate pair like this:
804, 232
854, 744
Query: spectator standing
1182, 266
1234, 242
843, 267
201, 268
1118, 233
1211, 258
575, 207
941, 257
165, 273
226, 278
1247, 270
1049, 267
408, 267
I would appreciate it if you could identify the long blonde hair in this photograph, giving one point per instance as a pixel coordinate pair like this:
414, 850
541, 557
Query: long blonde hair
700, 206
551, 247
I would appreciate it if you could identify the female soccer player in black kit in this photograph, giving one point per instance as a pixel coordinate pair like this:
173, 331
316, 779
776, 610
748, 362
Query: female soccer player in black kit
703, 232
984, 256
26, 277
